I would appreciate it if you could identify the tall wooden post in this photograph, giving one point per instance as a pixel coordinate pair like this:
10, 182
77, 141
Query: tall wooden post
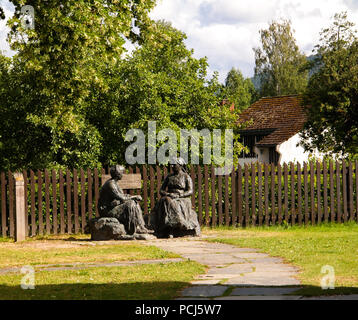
20, 207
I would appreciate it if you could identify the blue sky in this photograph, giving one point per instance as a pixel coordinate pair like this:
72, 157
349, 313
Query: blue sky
225, 31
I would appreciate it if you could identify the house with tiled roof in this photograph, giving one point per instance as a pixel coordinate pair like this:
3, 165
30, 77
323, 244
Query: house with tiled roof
272, 133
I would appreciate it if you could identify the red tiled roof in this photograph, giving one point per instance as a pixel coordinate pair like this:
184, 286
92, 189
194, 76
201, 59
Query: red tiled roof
284, 115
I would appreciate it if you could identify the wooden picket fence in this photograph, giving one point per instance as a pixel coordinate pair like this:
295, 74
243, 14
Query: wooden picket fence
59, 202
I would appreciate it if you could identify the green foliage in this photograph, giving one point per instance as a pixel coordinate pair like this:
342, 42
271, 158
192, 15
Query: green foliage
45, 89
279, 63
161, 81
239, 90
332, 92
69, 95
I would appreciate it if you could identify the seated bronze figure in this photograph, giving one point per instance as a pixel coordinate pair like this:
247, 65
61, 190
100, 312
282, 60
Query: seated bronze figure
113, 203
173, 215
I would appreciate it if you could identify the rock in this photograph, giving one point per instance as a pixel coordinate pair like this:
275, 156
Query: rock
144, 236
106, 229
111, 229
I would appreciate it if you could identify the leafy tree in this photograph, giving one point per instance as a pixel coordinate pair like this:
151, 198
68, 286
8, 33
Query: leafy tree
239, 90
160, 81
332, 92
58, 64
279, 62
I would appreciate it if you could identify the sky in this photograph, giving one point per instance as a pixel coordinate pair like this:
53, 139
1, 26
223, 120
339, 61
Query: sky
226, 31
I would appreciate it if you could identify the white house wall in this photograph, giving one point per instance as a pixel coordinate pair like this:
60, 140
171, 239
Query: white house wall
290, 152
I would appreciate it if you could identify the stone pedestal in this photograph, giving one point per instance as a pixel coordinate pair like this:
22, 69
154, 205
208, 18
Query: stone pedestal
110, 229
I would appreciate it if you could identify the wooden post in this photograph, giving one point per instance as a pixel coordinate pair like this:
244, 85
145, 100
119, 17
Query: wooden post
20, 207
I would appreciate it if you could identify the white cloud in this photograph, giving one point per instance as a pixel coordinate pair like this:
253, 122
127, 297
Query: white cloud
8, 10
226, 30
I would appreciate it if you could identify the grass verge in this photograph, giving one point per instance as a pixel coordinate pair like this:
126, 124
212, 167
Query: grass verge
70, 249
309, 248
140, 282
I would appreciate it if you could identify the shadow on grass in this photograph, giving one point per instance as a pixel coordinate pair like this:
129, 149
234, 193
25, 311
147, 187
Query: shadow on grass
140, 291
88, 291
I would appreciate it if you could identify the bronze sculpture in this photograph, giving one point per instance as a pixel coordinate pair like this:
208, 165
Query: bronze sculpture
120, 214
173, 215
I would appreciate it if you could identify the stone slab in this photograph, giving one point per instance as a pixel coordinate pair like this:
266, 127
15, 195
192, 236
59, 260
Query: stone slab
259, 298
204, 291
262, 291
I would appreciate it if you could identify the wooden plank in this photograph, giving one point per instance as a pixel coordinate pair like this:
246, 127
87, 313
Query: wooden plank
213, 197
33, 210
89, 194
325, 192
313, 213
139, 190
39, 200
344, 191
130, 171
305, 184
152, 186
350, 191
259, 185
279, 193
129, 181
227, 203
233, 196
96, 190
159, 181
273, 202
338, 188
54, 201
239, 195
318, 185
253, 194
293, 194
11, 204
299, 193
200, 195
62, 202
331, 191
83, 201
47, 201
68, 201
247, 205
285, 177
26, 206
145, 189
3, 205
192, 176
267, 218
206, 192
75, 200
220, 199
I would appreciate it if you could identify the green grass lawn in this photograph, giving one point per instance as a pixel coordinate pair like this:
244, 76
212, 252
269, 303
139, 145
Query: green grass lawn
308, 248
151, 281
72, 249
147, 282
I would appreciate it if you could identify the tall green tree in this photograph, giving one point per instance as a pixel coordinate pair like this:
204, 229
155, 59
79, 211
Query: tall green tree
57, 66
279, 64
160, 81
239, 90
332, 92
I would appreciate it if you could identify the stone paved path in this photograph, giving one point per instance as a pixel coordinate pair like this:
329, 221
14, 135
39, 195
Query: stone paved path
234, 273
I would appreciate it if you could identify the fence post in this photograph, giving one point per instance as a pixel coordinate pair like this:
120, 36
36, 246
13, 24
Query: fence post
20, 207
